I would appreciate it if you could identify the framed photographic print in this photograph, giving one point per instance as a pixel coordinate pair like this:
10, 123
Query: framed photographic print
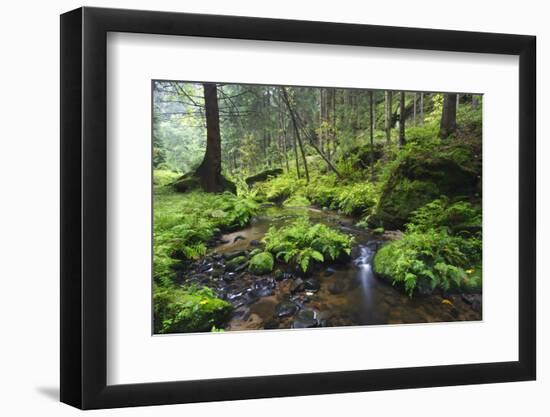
257, 208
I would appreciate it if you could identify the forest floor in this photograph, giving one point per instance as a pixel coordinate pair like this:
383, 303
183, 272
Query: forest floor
388, 245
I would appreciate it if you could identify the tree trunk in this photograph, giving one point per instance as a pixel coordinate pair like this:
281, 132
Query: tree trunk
448, 118
210, 170
296, 131
421, 108
371, 108
414, 110
402, 120
388, 105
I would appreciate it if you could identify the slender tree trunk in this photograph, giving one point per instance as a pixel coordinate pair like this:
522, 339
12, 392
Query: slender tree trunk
283, 131
371, 108
388, 108
374, 110
448, 118
457, 101
414, 110
421, 108
402, 120
210, 170
296, 131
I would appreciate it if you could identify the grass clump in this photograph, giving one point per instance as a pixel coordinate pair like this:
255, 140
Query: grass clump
302, 243
190, 309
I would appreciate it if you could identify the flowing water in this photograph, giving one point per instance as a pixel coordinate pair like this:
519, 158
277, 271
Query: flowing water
339, 295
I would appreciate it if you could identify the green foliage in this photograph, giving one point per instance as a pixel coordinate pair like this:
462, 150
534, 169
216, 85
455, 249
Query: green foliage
357, 198
297, 201
279, 188
162, 177
439, 248
469, 119
352, 199
190, 309
261, 263
458, 217
432, 258
302, 243
425, 171
184, 223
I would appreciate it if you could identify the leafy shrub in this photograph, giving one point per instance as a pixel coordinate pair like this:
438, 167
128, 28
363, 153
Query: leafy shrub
323, 194
190, 309
456, 217
428, 259
357, 198
441, 244
279, 188
297, 201
302, 243
352, 199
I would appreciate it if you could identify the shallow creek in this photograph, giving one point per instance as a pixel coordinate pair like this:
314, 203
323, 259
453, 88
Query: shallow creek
343, 294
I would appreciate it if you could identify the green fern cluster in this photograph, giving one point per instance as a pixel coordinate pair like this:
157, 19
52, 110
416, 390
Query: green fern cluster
189, 309
279, 188
351, 199
184, 223
302, 243
440, 249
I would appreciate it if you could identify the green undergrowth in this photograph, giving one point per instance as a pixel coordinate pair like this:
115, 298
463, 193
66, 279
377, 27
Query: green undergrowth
189, 309
184, 223
324, 191
441, 248
302, 243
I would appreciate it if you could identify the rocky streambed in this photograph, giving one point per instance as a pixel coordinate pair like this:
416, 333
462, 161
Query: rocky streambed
339, 294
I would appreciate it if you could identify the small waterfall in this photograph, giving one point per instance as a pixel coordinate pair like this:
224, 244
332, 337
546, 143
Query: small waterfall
365, 274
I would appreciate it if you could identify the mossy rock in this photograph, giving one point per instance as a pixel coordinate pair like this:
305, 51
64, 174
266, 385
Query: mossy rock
255, 251
261, 264
178, 310
263, 176
234, 263
192, 182
423, 175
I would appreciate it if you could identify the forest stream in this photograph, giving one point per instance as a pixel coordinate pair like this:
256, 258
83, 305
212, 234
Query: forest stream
338, 294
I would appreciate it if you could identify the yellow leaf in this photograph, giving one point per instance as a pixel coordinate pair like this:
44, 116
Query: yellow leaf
203, 302
445, 301
469, 271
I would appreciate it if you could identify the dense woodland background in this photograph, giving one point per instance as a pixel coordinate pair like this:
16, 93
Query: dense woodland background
406, 166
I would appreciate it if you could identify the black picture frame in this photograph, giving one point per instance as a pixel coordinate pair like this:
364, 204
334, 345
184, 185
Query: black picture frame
84, 207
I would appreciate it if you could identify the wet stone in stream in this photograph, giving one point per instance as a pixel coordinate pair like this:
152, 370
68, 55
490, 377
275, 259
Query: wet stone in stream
305, 319
286, 308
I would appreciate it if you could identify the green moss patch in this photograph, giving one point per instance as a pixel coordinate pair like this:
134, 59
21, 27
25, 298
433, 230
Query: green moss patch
261, 263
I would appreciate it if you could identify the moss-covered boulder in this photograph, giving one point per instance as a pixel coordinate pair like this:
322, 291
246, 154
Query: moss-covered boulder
234, 263
263, 176
185, 310
192, 182
261, 264
423, 174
